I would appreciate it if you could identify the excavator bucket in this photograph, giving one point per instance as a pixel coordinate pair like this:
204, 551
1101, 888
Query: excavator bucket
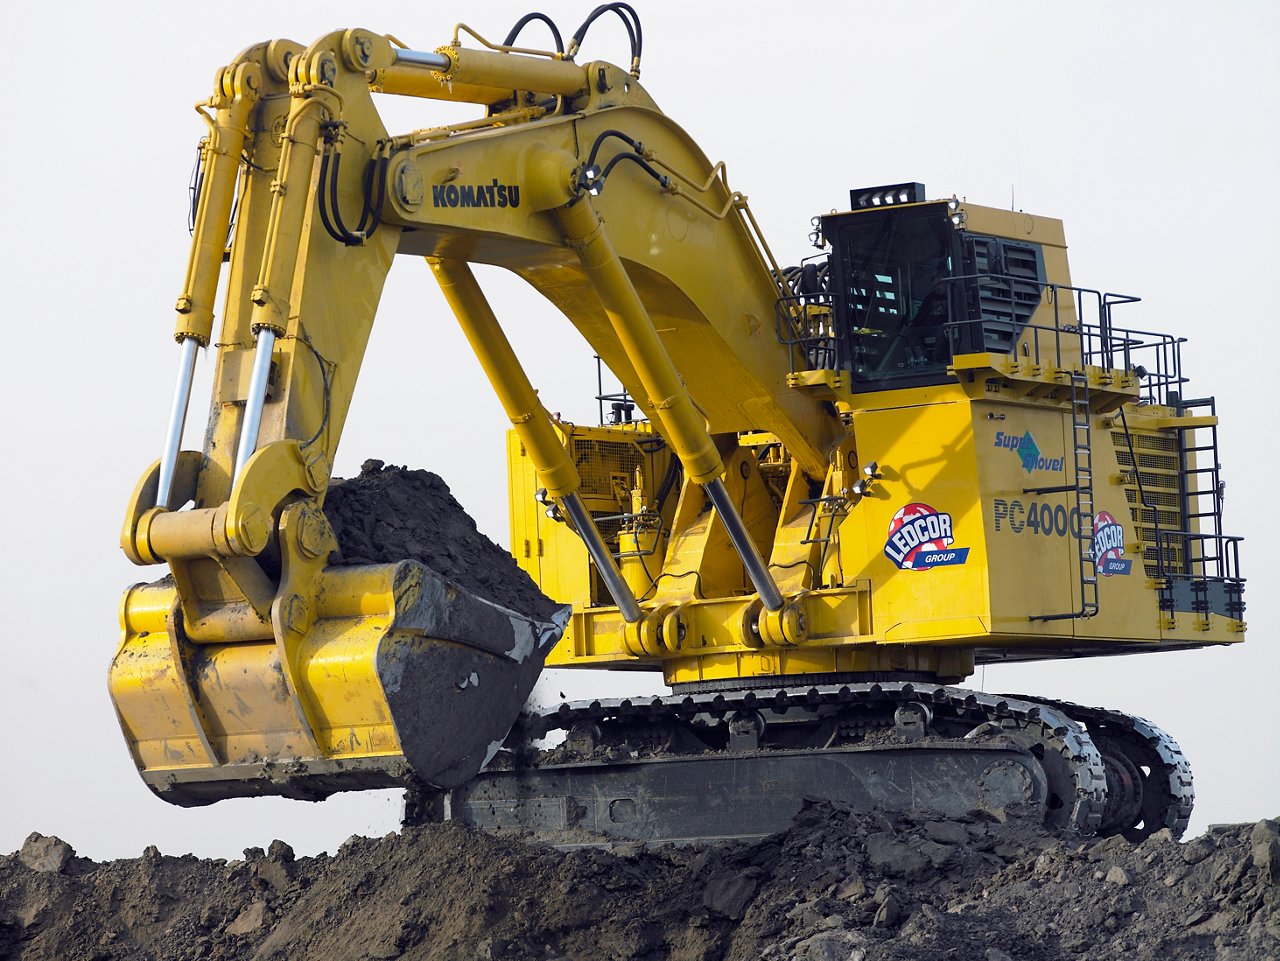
401, 677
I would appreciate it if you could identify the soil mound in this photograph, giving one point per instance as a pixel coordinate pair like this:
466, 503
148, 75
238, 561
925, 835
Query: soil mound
838, 886
388, 514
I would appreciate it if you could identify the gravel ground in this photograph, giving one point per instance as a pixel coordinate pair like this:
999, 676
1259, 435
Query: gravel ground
837, 886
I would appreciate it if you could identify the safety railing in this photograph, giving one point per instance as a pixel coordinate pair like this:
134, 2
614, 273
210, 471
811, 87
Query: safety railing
1156, 358
1203, 556
622, 407
1211, 583
809, 324
812, 324
826, 513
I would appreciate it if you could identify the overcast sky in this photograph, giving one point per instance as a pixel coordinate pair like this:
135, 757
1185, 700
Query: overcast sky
1151, 129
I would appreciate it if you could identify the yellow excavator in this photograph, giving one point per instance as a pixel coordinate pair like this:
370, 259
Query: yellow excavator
821, 495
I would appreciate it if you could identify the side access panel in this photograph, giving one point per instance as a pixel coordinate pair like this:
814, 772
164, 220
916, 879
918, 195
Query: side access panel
918, 535
1033, 530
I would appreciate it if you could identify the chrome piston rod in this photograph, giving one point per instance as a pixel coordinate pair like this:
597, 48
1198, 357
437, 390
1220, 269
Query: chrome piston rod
266, 342
599, 551
757, 570
177, 420
422, 58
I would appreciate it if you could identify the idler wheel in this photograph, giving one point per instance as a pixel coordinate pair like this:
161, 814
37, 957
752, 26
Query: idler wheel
1124, 788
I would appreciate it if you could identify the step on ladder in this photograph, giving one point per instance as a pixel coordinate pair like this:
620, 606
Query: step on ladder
1082, 490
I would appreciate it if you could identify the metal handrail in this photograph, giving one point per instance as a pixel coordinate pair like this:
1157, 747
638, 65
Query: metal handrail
833, 507
791, 316
1098, 343
1156, 357
622, 404
1224, 560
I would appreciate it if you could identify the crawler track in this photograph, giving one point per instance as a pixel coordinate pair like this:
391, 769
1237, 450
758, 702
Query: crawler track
1094, 771
1165, 792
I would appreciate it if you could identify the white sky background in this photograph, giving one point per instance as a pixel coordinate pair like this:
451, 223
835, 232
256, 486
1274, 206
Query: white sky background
1151, 129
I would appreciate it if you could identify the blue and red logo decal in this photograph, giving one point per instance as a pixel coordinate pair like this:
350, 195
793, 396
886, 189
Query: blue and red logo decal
920, 539
1108, 545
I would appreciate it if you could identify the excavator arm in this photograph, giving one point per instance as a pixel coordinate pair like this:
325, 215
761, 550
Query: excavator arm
257, 667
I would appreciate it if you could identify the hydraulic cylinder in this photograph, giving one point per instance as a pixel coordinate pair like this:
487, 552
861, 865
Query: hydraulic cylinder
669, 399
257, 398
177, 419
530, 419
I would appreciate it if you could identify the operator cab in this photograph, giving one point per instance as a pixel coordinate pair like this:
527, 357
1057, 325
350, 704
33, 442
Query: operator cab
909, 287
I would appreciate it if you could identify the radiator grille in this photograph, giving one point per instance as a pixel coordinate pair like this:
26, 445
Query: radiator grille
1156, 498
1159, 472
1146, 441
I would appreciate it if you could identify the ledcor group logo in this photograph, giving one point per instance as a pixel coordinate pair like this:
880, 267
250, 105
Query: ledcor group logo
1108, 545
920, 539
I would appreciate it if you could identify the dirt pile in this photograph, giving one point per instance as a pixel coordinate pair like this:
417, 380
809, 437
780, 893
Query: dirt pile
388, 514
838, 886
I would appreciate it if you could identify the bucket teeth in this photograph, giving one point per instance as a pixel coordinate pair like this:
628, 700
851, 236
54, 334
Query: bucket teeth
455, 689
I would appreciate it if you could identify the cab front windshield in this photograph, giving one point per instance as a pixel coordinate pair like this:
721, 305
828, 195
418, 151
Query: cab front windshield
894, 267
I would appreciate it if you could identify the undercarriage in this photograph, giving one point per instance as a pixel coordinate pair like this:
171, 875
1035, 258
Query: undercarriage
713, 765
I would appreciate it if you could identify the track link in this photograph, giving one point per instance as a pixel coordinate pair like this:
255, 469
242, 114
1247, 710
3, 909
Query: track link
1168, 791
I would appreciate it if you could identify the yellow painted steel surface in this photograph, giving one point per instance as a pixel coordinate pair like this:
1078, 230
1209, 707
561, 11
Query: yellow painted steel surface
900, 524
1004, 557
228, 704
1005, 574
